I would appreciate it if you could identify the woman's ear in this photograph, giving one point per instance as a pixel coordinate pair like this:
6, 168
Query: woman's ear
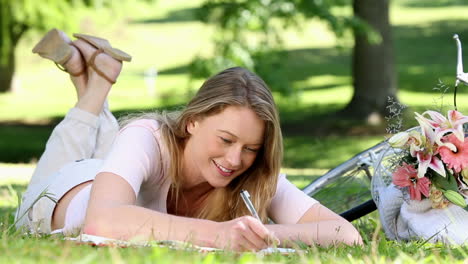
192, 125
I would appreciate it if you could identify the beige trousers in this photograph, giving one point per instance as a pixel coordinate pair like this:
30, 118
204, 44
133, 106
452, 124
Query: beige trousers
73, 155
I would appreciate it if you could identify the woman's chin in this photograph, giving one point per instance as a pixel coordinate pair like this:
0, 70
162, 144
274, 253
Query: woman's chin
219, 183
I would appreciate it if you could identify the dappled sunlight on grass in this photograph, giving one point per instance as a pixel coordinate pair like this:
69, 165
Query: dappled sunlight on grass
301, 177
16, 173
13, 181
425, 15
425, 101
324, 152
336, 95
312, 34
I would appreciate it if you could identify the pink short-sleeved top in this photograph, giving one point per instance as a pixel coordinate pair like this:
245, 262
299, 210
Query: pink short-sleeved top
139, 157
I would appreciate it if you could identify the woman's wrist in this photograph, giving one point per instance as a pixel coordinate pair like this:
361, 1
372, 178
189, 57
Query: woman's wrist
208, 233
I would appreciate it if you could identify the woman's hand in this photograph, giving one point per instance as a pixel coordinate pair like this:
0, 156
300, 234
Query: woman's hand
245, 233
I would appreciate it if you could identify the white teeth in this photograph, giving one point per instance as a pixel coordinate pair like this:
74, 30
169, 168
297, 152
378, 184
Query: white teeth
225, 170
222, 168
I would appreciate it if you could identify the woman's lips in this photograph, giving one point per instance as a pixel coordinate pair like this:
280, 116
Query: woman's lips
223, 171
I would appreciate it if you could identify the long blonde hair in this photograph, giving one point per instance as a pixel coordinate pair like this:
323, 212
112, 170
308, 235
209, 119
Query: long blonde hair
231, 87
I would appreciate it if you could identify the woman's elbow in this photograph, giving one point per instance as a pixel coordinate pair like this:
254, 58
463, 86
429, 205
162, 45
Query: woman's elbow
99, 224
349, 235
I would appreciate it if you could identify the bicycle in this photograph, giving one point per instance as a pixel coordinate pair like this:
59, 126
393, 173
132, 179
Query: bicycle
358, 172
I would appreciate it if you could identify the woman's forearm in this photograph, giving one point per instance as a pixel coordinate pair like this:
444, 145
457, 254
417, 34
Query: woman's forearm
324, 233
129, 222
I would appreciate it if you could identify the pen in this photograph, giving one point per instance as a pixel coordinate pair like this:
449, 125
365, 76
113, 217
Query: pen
246, 197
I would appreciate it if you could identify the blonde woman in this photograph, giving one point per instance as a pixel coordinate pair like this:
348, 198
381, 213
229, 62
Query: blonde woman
170, 176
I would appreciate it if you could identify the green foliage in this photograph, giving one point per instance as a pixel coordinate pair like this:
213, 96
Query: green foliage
37, 14
249, 34
445, 183
22, 15
237, 22
17, 17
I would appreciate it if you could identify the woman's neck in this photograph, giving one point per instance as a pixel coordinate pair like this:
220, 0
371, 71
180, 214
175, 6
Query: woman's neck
189, 200
191, 176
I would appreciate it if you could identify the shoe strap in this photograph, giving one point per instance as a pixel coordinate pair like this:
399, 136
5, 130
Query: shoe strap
60, 67
72, 74
93, 65
65, 70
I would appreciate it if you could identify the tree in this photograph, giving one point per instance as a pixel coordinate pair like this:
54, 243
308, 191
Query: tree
19, 16
373, 67
236, 20
373, 64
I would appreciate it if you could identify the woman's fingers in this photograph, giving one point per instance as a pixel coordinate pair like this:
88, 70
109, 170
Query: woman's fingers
245, 233
242, 236
249, 233
266, 235
255, 240
246, 245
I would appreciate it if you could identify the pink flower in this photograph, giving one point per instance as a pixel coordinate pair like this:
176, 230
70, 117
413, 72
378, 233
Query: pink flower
453, 123
407, 176
458, 159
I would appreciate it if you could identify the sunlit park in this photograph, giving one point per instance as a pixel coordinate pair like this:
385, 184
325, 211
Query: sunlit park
345, 76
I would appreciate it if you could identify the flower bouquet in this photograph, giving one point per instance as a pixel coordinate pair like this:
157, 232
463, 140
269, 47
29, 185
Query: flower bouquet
434, 162
420, 183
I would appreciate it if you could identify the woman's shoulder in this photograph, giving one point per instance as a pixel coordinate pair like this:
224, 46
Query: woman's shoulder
142, 126
147, 123
142, 130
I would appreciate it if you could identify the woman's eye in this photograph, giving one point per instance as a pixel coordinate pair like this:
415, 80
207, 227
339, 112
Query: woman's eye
252, 150
225, 140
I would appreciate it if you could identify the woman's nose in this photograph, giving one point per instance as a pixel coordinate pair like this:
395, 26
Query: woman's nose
233, 157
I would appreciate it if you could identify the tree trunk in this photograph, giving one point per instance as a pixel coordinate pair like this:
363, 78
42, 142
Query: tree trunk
10, 33
373, 66
7, 69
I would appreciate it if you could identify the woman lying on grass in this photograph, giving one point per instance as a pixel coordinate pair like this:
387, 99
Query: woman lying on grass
170, 176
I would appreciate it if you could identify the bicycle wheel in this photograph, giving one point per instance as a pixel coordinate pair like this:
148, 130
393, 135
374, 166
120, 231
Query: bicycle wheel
346, 189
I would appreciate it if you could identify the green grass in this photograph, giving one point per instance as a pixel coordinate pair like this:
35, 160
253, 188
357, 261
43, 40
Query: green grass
165, 36
18, 248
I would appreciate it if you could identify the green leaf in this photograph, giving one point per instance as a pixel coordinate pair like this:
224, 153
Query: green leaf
445, 183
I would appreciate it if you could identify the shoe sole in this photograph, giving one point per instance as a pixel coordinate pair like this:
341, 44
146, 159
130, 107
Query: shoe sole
53, 47
104, 44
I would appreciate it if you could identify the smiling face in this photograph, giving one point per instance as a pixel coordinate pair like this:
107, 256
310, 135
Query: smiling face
222, 146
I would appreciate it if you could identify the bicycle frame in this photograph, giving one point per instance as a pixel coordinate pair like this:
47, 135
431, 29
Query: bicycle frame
461, 77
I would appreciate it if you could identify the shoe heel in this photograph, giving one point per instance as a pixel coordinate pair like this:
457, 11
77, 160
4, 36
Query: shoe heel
104, 44
53, 47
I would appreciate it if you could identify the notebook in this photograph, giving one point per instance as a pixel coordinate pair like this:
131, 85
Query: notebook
177, 245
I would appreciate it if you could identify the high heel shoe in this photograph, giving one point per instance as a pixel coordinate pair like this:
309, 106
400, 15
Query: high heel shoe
102, 46
55, 47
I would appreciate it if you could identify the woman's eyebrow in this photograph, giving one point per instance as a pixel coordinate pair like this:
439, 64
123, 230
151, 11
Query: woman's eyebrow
227, 132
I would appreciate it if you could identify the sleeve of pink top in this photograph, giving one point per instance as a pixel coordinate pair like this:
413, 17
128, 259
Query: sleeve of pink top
135, 153
289, 203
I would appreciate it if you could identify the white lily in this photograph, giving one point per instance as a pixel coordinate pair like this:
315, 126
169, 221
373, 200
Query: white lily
403, 139
427, 155
416, 142
399, 140
442, 126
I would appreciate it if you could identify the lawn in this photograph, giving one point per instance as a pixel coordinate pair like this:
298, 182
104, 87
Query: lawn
165, 37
